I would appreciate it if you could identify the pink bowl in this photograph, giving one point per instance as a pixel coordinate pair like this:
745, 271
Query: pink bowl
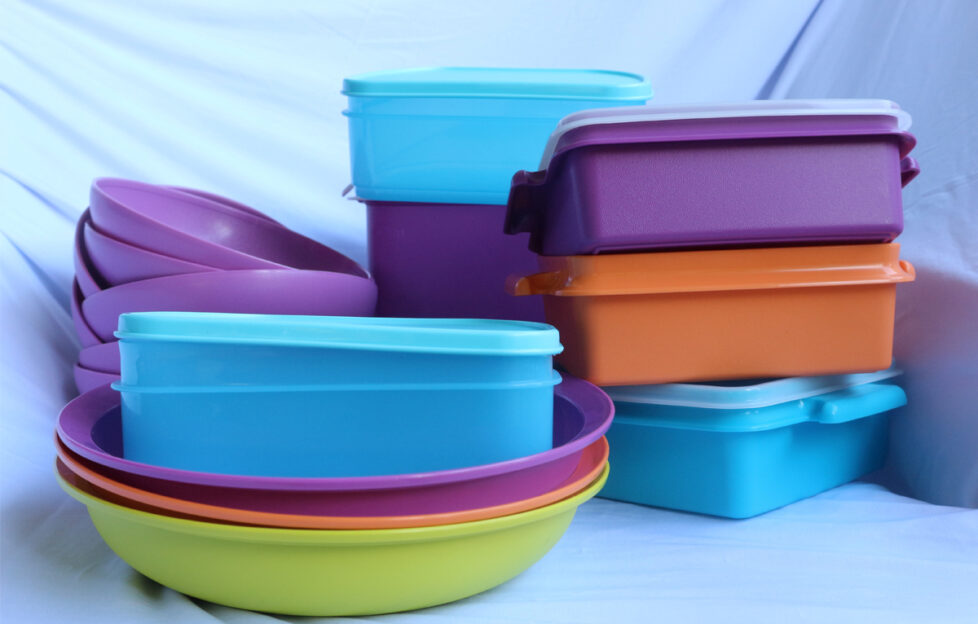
192, 228
88, 282
82, 328
120, 263
87, 379
90, 426
247, 292
101, 357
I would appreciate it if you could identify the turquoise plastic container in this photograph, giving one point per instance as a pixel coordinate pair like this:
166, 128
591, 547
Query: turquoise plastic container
737, 450
303, 396
457, 135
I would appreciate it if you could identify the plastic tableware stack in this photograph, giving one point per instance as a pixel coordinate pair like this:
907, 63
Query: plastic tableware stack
145, 247
333, 465
432, 152
727, 242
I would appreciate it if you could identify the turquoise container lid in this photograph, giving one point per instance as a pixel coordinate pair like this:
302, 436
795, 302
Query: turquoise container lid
461, 336
486, 82
833, 408
751, 405
743, 394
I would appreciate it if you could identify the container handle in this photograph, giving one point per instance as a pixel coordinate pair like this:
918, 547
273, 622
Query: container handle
854, 403
908, 269
545, 283
909, 169
524, 208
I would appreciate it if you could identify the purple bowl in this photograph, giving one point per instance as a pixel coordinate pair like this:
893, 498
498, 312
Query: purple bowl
120, 263
82, 328
91, 427
101, 357
246, 292
225, 202
192, 228
87, 379
88, 281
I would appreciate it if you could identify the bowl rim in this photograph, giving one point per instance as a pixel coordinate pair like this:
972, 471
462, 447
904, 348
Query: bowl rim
79, 417
591, 463
91, 231
326, 537
82, 262
123, 298
102, 188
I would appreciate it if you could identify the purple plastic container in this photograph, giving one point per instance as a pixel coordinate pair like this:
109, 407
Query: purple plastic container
447, 261
90, 426
761, 173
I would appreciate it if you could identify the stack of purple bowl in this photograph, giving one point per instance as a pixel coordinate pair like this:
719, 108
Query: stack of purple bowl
141, 247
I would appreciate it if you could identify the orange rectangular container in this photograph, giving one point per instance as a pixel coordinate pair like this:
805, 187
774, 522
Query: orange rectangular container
663, 317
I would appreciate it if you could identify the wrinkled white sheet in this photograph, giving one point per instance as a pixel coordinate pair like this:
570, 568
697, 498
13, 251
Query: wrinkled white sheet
242, 98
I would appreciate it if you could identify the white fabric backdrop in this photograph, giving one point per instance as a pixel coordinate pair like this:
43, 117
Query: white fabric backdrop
242, 98
923, 55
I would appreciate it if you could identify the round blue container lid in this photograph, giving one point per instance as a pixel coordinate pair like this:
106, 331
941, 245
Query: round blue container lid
464, 336
487, 82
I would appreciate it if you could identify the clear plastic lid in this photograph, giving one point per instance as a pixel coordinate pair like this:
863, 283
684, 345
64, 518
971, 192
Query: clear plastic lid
755, 109
743, 394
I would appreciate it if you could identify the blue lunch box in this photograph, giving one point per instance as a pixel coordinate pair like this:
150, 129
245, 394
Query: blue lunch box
457, 135
740, 449
305, 396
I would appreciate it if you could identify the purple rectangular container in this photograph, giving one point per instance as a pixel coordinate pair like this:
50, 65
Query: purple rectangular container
447, 260
760, 173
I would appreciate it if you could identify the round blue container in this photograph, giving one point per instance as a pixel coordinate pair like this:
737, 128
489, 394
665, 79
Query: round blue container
303, 396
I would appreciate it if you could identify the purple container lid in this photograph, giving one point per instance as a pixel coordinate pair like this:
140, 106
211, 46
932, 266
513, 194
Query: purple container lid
747, 120
196, 229
90, 425
246, 292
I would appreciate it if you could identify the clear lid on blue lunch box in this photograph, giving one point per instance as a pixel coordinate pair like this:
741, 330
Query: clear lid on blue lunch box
490, 82
752, 109
743, 394
450, 336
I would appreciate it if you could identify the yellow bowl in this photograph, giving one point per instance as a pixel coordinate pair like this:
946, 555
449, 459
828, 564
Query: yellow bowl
331, 572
